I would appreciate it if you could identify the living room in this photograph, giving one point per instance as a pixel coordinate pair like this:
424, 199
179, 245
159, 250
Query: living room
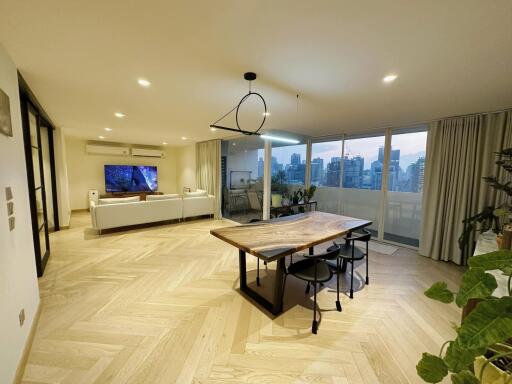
235, 192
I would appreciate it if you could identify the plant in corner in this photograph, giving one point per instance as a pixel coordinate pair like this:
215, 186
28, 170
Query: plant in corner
481, 352
491, 217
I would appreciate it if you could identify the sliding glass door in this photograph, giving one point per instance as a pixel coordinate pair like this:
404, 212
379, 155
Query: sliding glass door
406, 167
38, 138
377, 177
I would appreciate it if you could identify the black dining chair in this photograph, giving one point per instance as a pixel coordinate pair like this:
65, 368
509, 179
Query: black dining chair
350, 253
314, 270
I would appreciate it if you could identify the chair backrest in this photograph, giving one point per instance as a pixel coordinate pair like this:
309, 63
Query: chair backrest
329, 255
365, 236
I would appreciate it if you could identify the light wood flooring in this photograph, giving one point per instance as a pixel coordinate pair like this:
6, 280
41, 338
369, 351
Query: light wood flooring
160, 305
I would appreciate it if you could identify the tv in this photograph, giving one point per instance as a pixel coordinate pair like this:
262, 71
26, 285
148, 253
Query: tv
130, 178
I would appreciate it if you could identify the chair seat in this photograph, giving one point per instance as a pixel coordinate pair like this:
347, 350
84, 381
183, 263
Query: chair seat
346, 252
305, 270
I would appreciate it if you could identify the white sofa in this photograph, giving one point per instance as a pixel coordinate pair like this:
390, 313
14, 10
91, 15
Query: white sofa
106, 216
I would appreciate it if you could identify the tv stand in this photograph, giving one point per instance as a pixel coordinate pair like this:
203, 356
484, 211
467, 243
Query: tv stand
142, 195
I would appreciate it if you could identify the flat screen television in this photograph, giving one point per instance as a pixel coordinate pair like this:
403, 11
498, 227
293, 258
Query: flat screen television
130, 178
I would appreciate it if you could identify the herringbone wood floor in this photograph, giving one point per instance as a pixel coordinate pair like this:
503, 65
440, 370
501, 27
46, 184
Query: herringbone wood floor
160, 305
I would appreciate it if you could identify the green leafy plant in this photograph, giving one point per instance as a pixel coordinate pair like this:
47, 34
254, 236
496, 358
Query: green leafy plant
309, 193
485, 331
491, 217
297, 196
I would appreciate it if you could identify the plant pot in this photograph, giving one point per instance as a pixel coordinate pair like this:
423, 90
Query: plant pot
276, 199
492, 374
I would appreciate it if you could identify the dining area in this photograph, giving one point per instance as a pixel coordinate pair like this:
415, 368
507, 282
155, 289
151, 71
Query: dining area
312, 248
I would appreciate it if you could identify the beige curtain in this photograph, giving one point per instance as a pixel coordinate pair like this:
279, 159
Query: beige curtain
208, 169
460, 151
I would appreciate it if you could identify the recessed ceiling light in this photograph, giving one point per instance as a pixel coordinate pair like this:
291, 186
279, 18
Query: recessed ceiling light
213, 129
144, 83
101, 137
389, 78
266, 113
183, 138
108, 129
119, 114
164, 143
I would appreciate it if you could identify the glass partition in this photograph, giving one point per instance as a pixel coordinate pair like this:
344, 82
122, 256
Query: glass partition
242, 161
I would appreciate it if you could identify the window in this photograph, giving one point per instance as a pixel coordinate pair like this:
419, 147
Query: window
406, 167
363, 162
326, 163
289, 164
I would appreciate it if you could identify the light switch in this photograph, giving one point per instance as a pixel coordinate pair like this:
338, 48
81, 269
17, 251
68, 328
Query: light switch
8, 193
10, 208
12, 223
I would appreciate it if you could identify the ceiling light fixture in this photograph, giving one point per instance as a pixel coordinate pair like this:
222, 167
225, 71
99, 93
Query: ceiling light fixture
119, 115
164, 143
213, 129
144, 83
266, 113
108, 129
249, 76
390, 78
279, 138
183, 138
101, 137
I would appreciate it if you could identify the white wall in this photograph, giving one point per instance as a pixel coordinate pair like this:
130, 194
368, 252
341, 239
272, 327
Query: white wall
186, 163
86, 171
18, 281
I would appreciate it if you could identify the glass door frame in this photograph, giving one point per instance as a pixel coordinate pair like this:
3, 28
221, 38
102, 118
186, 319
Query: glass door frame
388, 134
30, 106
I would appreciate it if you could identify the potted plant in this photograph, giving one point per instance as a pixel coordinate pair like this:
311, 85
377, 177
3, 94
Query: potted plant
491, 217
481, 352
297, 196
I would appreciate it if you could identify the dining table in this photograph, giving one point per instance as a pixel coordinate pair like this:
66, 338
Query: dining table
272, 240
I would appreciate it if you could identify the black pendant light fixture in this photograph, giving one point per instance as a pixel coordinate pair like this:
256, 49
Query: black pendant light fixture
249, 76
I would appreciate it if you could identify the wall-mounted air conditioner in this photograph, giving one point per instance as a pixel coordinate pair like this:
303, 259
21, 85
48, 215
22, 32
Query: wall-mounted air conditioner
106, 150
143, 152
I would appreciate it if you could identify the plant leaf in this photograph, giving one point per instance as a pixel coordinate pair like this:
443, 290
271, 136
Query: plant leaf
465, 377
458, 358
490, 322
493, 260
431, 368
476, 284
439, 291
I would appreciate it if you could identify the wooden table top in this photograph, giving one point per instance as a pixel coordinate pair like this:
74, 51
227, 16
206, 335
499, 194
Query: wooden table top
272, 239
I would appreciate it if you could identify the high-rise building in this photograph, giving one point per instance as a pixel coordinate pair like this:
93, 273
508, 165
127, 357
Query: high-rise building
317, 171
261, 167
295, 159
333, 172
353, 172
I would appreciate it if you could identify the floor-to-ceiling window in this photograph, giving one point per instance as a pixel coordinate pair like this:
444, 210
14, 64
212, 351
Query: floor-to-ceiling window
242, 161
406, 166
350, 173
362, 169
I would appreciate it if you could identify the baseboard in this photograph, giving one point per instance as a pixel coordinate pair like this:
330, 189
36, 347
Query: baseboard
28, 345
80, 210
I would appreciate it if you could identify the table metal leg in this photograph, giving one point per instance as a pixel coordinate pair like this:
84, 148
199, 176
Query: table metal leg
276, 306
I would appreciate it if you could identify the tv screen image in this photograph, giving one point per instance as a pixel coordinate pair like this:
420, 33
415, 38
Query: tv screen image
130, 178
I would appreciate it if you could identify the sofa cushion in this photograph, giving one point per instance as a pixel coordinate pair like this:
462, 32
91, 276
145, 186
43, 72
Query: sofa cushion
116, 200
197, 193
163, 197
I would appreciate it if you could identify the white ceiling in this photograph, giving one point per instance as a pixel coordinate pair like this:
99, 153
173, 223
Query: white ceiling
83, 58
